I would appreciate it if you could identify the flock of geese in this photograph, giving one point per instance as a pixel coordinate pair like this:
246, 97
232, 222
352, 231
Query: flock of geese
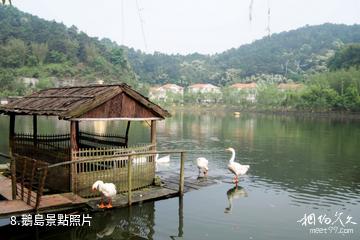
236, 168
108, 190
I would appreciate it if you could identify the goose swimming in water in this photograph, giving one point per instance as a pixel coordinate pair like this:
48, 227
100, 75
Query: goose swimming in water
165, 159
202, 164
138, 159
235, 167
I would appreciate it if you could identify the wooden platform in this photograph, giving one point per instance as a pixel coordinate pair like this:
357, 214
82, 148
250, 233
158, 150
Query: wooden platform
169, 188
13, 208
5, 187
68, 201
150, 193
49, 203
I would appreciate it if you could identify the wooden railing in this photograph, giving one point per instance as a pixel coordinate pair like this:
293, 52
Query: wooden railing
56, 148
4, 155
125, 170
110, 165
101, 140
48, 148
28, 178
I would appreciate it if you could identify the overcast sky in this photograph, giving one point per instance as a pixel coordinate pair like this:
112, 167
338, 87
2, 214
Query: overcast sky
187, 26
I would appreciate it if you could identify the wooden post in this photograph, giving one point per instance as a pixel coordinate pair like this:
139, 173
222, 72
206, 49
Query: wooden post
181, 217
31, 180
35, 129
181, 183
73, 148
41, 187
129, 180
12, 126
127, 133
74, 128
153, 134
77, 130
12, 159
153, 140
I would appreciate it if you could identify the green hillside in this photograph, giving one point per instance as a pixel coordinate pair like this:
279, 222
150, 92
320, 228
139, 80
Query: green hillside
326, 58
35, 48
292, 54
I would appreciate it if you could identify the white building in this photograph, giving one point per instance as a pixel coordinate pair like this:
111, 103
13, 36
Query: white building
204, 88
30, 82
205, 92
249, 90
163, 92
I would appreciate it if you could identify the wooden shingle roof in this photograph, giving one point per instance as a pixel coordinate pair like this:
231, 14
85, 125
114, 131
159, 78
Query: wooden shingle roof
92, 101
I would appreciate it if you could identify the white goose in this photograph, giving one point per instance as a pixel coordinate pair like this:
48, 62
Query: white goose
165, 159
202, 164
107, 189
236, 168
138, 159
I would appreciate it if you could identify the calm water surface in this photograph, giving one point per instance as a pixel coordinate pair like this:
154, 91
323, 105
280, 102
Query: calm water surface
298, 166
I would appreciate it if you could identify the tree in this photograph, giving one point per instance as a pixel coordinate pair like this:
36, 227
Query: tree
269, 97
117, 57
55, 57
346, 57
351, 98
39, 50
320, 98
13, 54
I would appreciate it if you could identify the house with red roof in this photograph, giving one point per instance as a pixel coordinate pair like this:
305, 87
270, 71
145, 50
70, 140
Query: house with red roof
248, 89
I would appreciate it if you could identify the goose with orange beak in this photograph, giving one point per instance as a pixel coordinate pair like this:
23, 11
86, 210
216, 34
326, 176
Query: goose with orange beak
236, 168
106, 189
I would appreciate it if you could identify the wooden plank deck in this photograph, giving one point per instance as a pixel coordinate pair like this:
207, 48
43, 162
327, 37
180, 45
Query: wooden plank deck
150, 193
169, 188
67, 201
5, 187
48, 203
13, 208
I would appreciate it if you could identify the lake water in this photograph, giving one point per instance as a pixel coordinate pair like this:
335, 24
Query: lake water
298, 166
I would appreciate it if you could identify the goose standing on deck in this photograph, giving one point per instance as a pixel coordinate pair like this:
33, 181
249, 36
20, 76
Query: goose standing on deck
236, 168
107, 189
202, 164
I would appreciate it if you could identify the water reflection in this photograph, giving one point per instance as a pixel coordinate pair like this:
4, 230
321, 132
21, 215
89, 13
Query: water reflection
127, 223
234, 193
296, 163
181, 220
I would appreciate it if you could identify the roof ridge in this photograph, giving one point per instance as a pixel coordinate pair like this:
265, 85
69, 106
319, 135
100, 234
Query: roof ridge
90, 85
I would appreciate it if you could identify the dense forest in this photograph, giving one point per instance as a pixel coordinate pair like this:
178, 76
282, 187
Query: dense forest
50, 51
324, 58
293, 55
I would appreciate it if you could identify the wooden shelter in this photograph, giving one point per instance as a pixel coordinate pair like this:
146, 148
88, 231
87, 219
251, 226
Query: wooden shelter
102, 152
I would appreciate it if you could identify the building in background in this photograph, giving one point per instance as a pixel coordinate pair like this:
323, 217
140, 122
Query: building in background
290, 86
248, 90
205, 93
167, 93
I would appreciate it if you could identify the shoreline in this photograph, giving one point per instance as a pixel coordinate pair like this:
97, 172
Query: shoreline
231, 109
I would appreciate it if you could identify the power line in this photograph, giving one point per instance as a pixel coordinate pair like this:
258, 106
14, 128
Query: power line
250, 10
122, 23
141, 24
268, 23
